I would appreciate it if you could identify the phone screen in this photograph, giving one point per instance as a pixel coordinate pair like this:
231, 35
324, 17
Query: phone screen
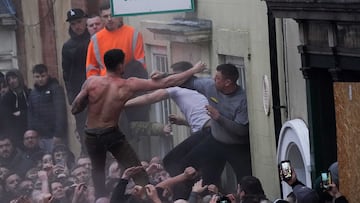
325, 180
285, 170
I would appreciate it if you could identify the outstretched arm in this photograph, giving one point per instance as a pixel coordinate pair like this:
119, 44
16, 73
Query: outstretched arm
81, 100
150, 98
137, 84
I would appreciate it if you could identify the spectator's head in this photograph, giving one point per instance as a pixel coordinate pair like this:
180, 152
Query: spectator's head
334, 170
114, 60
3, 85
62, 155
250, 186
47, 162
6, 148
138, 192
160, 176
81, 174
26, 187
14, 80
31, 139
181, 201
57, 190
37, 184
85, 162
181, 66
103, 200
94, 24
111, 23
77, 19
59, 153
3, 172
11, 182
135, 69
305, 195
32, 174
41, 75
226, 77
156, 160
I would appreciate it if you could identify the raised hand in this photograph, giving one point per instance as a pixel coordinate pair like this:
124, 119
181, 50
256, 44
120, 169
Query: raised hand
129, 172
199, 67
154, 168
152, 193
198, 187
190, 172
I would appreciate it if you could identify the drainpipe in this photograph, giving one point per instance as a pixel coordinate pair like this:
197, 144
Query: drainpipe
274, 75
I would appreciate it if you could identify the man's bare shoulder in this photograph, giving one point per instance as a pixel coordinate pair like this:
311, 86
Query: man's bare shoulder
134, 82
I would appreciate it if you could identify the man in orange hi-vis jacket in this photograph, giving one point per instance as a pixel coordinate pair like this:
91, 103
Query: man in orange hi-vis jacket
115, 35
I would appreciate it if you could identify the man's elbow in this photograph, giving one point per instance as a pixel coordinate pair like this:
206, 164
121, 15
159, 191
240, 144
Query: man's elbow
74, 111
75, 108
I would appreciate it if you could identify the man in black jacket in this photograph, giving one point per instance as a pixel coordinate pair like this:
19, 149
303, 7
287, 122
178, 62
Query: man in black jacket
47, 109
74, 61
13, 107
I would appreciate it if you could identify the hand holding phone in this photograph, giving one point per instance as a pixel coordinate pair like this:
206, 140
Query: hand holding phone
285, 170
326, 180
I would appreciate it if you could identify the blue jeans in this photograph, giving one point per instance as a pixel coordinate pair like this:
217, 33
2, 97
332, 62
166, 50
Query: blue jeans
98, 142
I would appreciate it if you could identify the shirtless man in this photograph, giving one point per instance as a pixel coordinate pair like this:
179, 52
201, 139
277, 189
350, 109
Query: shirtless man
105, 97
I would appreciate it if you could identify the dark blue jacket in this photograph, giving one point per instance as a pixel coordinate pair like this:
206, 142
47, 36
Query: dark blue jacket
47, 110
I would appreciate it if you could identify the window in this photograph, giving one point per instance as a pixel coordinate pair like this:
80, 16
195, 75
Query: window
239, 63
317, 34
160, 63
348, 36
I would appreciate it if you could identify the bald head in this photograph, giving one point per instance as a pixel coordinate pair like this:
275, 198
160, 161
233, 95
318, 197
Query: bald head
31, 139
103, 200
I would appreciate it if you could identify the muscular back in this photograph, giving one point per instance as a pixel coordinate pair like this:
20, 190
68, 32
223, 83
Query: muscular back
106, 96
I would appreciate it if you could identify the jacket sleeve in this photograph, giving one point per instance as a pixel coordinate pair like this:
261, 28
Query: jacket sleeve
30, 114
92, 67
66, 65
60, 112
118, 194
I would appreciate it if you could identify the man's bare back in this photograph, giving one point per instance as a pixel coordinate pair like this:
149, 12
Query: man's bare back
106, 97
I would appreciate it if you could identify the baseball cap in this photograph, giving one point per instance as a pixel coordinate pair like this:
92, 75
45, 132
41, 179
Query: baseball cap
74, 14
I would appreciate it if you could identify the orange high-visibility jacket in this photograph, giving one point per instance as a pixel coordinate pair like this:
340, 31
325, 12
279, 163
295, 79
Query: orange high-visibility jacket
125, 38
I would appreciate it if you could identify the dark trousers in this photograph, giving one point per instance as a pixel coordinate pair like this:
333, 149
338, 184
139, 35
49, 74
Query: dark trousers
98, 142
80, 120
172, 159
210, 156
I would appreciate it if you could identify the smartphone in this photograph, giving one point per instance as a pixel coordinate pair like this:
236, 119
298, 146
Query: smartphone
285, 170
325, 180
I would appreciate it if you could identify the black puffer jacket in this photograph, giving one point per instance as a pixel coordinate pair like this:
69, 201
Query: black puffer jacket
74, 63
47, 110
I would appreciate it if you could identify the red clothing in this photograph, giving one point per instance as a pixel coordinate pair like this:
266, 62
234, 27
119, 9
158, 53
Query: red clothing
125, 38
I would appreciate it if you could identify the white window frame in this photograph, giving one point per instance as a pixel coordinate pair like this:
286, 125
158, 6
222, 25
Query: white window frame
160, 63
